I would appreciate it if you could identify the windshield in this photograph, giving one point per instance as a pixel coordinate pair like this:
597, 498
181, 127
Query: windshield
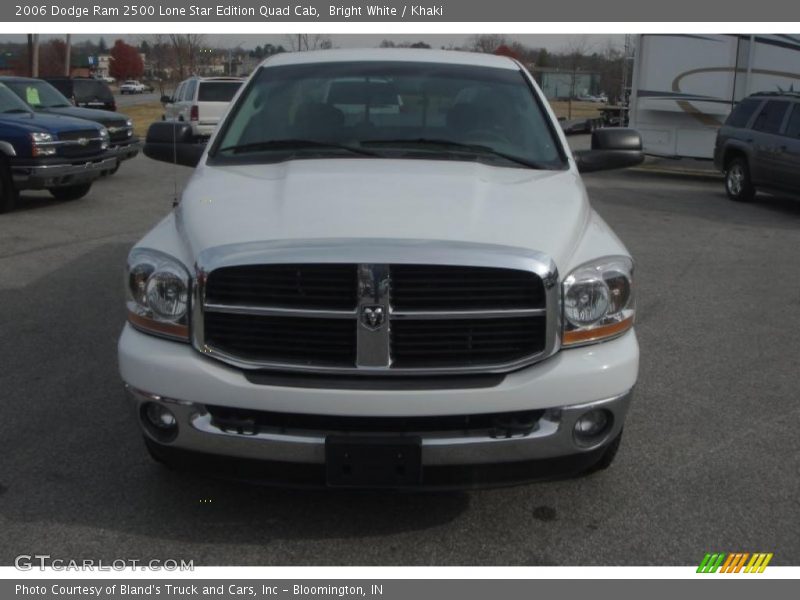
38, 94
389, 110
9, 103
217, 91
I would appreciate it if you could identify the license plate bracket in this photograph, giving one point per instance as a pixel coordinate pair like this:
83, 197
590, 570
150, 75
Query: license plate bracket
373, 461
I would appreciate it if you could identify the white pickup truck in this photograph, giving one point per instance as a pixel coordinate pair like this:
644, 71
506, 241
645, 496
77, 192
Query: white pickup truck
402, 299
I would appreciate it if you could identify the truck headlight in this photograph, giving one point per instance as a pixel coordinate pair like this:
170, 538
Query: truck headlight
157, 293
598, 301
104, 138
42, 144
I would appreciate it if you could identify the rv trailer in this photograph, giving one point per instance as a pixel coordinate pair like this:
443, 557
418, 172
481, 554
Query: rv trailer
684, 86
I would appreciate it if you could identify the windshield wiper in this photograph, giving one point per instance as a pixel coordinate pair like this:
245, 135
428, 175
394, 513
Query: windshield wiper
292, 144
16, 110
460, 147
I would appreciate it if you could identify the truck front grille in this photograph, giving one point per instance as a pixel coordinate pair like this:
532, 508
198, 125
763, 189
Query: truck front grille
304, 341
86, 143
375, 318
465, 342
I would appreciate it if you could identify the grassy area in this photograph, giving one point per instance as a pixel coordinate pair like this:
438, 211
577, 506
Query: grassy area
580, 110
143, 115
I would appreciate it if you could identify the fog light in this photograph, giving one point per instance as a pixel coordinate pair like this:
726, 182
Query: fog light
159, 421
160, 416
592, 426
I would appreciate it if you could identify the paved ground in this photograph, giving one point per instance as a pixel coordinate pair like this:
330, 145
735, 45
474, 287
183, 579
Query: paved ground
711, 457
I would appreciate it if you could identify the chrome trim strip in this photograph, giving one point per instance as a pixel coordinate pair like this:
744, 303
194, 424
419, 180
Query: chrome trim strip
379, 253
424, 315
270, 311
372, 330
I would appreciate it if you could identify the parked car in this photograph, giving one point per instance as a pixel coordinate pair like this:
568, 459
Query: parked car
424, 301
758, 147
201, 101
131, 86
85, 91
56, 153
44, 98
106, 79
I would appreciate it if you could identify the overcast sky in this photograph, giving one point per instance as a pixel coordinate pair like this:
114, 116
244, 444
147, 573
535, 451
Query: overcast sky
592, 43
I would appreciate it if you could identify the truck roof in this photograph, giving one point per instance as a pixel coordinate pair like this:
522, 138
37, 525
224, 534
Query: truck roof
453, 57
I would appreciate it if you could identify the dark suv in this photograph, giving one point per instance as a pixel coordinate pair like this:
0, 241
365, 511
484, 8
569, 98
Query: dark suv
85, 91
758, 147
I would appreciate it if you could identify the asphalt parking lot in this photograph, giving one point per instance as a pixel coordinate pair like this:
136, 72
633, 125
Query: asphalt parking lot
710, 459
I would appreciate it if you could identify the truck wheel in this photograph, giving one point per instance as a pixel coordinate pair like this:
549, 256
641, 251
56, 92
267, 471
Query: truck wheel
115, 169
737, 181
71, 192
8, 193
608, 456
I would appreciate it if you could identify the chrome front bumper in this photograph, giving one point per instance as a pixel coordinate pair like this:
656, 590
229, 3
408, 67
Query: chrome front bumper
37, 177
552, 437
127, 150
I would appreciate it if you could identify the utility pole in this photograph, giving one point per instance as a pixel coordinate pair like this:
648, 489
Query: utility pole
35, 56
67, 55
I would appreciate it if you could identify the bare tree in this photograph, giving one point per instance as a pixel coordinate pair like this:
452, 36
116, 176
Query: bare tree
302, 42
186, 48
486, 43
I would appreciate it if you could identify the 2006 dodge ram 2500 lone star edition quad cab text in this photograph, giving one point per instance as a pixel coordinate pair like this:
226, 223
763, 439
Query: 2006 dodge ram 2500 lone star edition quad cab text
414, 298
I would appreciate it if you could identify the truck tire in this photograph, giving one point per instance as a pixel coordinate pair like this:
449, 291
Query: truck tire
71, 192
738, 184
8, 193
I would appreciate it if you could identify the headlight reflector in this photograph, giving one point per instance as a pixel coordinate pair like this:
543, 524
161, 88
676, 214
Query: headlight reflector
43, 144
157, 289
598, 301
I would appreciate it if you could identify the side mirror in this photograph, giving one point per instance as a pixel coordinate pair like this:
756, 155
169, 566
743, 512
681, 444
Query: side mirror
612, 148
172, 142
166, 99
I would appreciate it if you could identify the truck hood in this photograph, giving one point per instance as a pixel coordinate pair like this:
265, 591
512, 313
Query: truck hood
401, 199
47, 122
90, 114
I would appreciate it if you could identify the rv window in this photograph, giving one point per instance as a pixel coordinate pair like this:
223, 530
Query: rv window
740, 116
771, 116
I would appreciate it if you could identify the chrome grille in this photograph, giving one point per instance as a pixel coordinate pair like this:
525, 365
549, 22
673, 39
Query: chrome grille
377, 318
79, 143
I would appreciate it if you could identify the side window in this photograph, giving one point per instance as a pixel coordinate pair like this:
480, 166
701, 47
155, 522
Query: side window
793, 128
179, 92
770, 118
191, 86
740, 116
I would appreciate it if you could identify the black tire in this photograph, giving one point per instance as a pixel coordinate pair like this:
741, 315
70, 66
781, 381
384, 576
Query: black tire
8, 193
738, 184
608, 456
115, 169
71, 192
